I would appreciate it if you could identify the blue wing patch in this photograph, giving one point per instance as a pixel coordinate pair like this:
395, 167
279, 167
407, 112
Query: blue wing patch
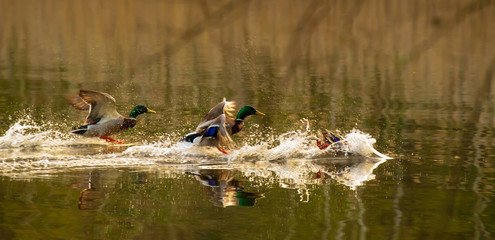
212, 131
334, 138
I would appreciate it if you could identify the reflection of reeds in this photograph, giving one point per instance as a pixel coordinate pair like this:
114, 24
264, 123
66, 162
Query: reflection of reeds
314, 39
220, 17
445, 26
354, 46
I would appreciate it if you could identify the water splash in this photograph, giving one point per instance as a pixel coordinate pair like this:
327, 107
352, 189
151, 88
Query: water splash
357, 143
25, 132
291, 159
356, 174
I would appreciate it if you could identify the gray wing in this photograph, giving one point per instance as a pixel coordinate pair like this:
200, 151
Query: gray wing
101, 106
223, 137
223, 107
78, 103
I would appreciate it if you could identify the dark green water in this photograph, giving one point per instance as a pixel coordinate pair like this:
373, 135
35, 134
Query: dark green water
416, 76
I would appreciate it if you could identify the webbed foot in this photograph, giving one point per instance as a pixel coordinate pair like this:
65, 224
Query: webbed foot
321, 145
109, 139
222, 150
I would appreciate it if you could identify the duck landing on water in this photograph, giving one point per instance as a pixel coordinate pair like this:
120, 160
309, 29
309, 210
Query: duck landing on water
103, 119
216, 127
326, 138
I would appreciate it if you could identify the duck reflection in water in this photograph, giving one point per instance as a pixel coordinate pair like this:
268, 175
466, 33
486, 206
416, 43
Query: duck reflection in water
223, 189
90, 198
352, 172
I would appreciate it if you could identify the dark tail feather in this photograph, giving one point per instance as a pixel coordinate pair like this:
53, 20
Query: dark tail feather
191, 136
80, 130
211, 132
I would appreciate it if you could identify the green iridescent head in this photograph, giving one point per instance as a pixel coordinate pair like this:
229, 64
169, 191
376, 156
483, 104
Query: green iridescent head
246, 111
140, 109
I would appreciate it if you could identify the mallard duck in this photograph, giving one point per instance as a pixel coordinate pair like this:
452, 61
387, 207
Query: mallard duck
224, 189
326, 138
103, 119
216, 127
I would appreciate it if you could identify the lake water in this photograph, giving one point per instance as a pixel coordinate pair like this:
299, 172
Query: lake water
416, 76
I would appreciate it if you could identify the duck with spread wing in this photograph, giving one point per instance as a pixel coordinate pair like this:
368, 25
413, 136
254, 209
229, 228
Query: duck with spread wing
103, 119
218, 125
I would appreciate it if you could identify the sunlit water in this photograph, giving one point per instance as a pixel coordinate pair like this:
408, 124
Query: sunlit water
409, 85
28, 148
290, 160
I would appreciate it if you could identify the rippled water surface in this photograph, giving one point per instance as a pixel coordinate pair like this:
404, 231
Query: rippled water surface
408, 85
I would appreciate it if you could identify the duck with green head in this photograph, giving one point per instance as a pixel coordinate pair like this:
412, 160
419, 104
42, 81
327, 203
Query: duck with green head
216, 127
103, 119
